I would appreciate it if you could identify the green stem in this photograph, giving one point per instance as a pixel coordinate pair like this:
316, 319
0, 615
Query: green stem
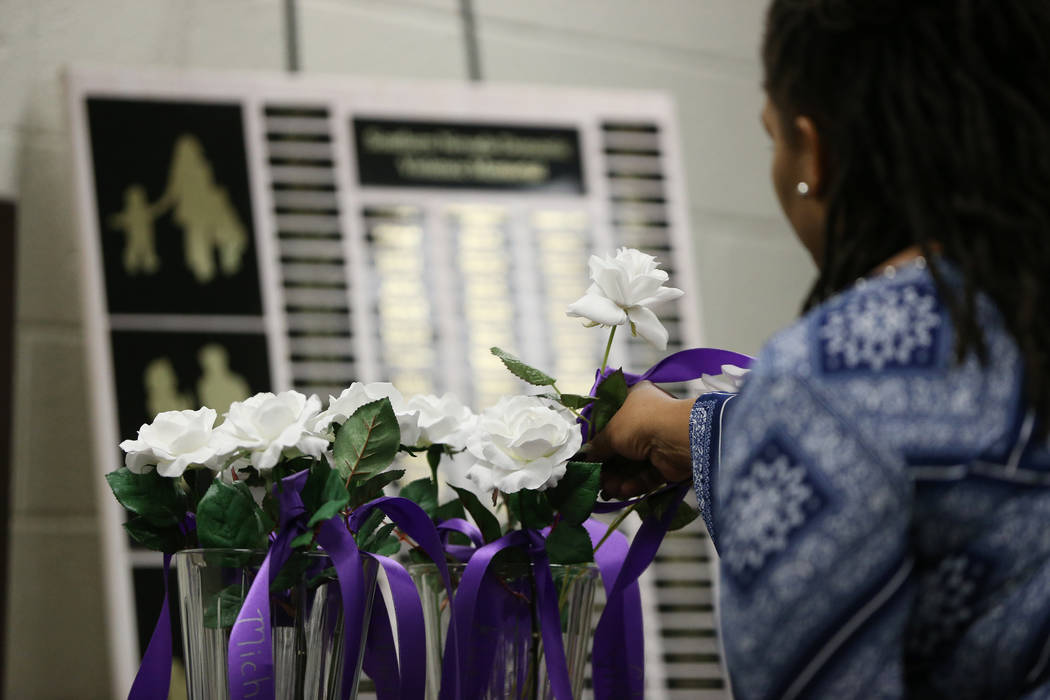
608, 347
574, 412
616, 523
434, 480
534, 641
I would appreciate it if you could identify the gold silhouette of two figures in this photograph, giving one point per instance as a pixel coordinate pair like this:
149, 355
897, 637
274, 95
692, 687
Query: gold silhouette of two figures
217, 387
213, 237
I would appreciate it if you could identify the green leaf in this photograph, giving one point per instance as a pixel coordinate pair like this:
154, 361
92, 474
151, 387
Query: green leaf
521, 370
656, 507
531, 508
452, 509
328, 574
162, 538
611, 393
575, 494
683, 515
228, 516
313, 488
156, 498
303, 540
221, 609
483, 517
271, 507
327, 490
288, 467
378, 537
368, 441
368, 527
512, 557
388, 548
421, 492
569, 544
361, 493
573, 401
418, 556
291, 573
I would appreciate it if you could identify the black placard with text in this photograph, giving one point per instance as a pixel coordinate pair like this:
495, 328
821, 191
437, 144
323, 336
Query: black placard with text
458, 155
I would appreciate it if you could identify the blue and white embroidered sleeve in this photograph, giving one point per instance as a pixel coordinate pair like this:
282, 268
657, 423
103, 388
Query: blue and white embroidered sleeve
705, 434
812, 523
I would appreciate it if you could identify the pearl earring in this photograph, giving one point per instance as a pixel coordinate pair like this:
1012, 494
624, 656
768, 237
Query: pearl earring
803, 189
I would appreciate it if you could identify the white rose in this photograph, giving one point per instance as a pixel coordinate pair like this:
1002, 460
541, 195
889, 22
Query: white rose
623, 288
729, 382
455, 470
441, 421
357, 395
522, 443
268, 427
173, 441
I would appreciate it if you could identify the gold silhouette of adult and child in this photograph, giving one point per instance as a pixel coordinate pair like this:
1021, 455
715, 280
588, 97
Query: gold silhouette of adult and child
211, 228
217, 387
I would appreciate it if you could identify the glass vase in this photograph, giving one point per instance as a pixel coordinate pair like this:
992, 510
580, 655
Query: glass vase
306, 621
519, 669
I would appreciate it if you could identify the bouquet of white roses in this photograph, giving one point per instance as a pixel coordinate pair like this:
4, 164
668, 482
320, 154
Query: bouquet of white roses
189, 483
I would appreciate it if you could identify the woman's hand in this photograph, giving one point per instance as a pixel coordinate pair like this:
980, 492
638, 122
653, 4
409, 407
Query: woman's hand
645, 444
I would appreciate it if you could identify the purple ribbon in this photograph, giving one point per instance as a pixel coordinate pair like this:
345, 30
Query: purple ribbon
250, 649
682, 366
153, 680
618, 655
475, 610
392, 679
461, 552
341, 548
414, 522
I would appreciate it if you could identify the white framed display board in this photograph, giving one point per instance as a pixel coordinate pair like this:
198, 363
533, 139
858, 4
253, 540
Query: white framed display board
247, 232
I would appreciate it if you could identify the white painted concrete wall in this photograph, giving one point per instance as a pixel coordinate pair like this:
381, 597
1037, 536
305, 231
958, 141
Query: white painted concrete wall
703, 51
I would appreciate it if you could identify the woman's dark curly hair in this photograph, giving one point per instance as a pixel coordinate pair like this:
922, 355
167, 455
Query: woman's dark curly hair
935, 117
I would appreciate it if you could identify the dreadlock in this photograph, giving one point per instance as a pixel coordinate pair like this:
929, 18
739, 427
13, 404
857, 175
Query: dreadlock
936, 119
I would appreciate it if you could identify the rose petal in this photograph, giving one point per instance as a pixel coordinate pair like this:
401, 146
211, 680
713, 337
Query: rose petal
597, 309
660, 295
614, 284
649, 327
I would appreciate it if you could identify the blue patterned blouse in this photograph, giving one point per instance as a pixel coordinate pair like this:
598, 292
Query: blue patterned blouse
882, 513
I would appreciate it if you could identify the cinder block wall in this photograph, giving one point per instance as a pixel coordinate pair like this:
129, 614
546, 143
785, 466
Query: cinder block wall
704, 52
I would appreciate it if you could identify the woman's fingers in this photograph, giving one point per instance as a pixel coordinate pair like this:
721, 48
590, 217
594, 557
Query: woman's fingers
625, 479
643, 482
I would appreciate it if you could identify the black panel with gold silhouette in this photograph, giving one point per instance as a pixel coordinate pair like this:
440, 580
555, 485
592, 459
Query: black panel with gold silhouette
158, 371
175, 214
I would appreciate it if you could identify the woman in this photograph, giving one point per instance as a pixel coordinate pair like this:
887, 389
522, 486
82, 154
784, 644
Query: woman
879, 491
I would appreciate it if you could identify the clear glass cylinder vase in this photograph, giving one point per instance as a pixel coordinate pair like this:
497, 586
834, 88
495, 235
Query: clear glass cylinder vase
519, 668
306, 621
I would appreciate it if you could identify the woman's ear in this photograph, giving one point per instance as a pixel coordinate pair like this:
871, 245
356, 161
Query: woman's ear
810, 150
